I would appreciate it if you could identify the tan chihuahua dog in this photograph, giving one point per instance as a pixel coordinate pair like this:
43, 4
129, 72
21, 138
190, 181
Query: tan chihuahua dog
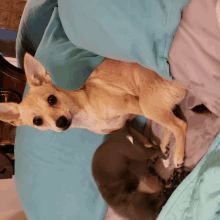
115, 92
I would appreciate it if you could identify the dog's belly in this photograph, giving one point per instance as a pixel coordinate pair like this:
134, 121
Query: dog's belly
107, 126
92, 122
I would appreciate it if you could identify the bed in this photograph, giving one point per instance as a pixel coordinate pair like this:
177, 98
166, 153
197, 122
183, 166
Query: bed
177, 39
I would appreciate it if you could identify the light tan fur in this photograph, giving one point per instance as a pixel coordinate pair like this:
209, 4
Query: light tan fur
115, 92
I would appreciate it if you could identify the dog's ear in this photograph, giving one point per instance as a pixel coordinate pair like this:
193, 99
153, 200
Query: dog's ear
9, 112
35, 72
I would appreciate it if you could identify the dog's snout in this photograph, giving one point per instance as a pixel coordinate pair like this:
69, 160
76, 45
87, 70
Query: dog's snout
62, 122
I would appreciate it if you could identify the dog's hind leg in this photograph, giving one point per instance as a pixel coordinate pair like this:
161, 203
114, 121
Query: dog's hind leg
164, 146
165, 141
165, 117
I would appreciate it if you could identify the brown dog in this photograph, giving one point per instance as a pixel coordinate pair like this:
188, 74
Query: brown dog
115, 92
120, 167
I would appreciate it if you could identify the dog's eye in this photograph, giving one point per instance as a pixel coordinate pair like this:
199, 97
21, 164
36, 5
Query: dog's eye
52, 100
38, 121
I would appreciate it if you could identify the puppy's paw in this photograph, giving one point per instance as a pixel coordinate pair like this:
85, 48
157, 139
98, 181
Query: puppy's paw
178, 175
166, 163
167, 151
179, 165
178, 162
174, 180
154, 159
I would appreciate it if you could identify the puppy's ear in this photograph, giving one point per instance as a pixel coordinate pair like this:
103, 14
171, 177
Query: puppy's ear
9, 112
35, 72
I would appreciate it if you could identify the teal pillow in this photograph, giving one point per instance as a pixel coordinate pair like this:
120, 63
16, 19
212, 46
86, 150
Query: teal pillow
135, 31
53, 170
33, 23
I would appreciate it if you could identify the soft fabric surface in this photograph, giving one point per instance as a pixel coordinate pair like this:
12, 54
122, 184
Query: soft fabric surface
135, 31
199, 192
197, 197
194, 62
34, 21
202, 130
194, 54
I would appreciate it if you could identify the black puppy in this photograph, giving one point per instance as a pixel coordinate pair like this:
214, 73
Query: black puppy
120, 168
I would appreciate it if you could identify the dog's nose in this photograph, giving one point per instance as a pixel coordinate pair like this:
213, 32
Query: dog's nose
62, 122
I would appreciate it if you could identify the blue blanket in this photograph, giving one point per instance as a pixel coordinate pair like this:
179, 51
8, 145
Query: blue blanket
198, 196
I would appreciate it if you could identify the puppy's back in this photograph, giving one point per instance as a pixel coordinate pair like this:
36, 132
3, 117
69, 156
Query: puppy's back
118, 168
